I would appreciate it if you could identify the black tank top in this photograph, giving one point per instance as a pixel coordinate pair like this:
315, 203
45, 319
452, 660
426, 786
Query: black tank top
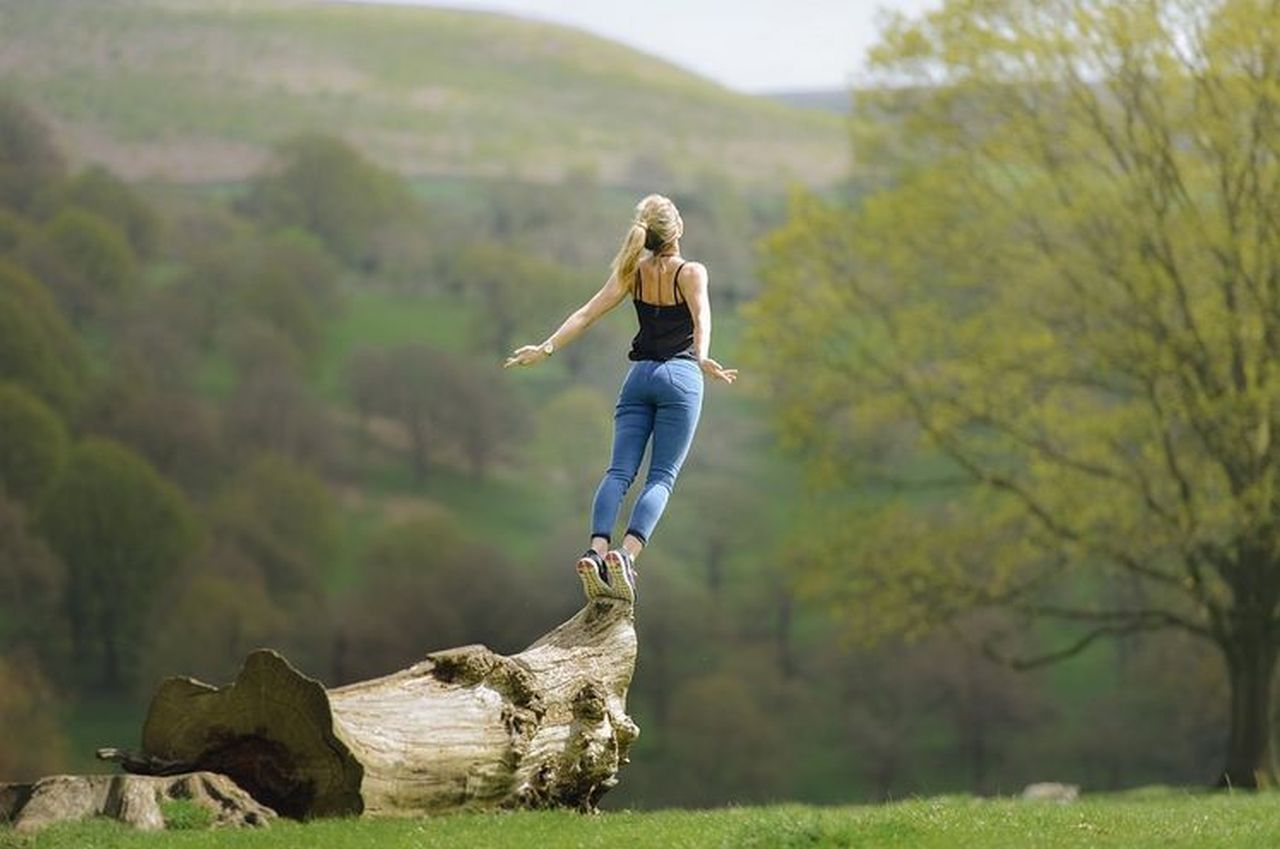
666, 330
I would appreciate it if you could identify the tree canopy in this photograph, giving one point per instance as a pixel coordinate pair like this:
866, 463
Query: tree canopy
37, 347
121, 530
1050, 319
323, 185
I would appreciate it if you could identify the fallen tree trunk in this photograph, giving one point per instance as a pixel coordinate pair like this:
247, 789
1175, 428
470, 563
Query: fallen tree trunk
463, 728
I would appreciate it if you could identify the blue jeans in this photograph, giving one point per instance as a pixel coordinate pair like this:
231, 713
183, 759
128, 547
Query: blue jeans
662, 399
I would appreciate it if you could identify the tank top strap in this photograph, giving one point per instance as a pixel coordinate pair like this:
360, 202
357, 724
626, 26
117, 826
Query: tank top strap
675, 290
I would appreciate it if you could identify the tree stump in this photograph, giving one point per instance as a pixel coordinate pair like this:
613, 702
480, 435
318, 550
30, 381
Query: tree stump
132, 799
464, 728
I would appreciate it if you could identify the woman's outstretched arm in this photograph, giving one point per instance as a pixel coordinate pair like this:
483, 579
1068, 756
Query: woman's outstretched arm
694, 287
609, 296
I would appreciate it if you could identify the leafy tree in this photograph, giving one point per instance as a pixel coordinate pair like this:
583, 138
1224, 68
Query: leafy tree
479, 413
446, 405
122, 530
33, 443
284, 519
176, 431
326, 187
37, 348
573, 433
292, 286
403, 384
516, 289
99, 191
220, 612
14, 230
271, 410
720, 232
428, 585
1052, 324
29, 702
96, 265
32, 584
726, 742
30, 162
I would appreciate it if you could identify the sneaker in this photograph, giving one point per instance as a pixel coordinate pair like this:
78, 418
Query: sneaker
622, 575
593, 574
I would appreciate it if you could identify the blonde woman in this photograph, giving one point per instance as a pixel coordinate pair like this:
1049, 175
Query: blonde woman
661, 396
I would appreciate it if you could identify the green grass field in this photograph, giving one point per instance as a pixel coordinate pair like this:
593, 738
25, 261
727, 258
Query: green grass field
1165, 819
199, 90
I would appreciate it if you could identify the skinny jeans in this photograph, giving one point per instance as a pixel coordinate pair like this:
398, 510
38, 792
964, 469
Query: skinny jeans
661, 399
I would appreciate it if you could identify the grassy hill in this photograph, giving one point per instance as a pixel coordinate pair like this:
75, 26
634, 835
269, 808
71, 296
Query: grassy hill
198, 90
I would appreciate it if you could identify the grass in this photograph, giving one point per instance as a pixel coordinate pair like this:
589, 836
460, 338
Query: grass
1166, 819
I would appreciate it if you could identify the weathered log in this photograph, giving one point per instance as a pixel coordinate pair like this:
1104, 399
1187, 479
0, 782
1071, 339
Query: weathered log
463, 728
133, 799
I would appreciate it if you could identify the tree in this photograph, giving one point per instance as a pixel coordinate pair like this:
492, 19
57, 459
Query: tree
441, 401
272, 410
32, 584
33, 443
103, 193
326, 187
121, 530
284, 519
426, 582
573, 427
98, 267
516, 290
544, 728
30, 162
220, 612
27, 701
37, 348
1055, 314
292, 286
176, 430
479, 413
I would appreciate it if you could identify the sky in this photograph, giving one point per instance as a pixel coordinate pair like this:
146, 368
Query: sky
749, 45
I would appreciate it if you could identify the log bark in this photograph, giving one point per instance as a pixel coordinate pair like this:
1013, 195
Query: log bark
132, 799
464, 728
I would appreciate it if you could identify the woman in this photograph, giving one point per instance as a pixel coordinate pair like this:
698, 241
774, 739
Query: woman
662, 393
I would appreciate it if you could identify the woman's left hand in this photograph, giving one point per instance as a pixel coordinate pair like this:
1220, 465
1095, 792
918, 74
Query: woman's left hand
713, 368
526, 355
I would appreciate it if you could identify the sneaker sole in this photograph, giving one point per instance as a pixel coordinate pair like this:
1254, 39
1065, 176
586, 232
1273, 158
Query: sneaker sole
590, 577
619, 578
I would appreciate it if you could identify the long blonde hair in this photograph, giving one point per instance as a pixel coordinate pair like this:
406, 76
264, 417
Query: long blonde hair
656, 213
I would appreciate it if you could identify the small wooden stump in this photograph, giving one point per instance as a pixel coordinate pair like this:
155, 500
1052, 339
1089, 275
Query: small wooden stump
133, 799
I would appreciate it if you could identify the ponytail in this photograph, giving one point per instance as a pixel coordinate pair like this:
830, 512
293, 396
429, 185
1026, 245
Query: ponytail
656, 220
628, 258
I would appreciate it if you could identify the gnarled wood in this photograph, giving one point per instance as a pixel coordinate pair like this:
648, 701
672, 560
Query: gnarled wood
465, 727
133, 799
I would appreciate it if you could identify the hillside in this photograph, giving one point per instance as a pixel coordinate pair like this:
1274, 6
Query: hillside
198, 90
829, 99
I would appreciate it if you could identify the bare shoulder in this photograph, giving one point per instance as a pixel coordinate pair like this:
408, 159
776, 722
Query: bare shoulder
695, 272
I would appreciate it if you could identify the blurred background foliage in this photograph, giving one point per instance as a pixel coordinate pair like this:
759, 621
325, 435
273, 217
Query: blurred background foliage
250, 335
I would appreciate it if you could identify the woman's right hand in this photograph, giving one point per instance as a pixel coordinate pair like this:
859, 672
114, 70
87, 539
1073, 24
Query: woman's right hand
713, 368
526, 355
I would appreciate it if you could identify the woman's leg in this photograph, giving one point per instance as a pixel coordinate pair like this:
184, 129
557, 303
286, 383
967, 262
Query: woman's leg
675, 422
633, 420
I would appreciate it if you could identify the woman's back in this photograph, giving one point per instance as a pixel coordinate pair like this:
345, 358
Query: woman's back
666, 323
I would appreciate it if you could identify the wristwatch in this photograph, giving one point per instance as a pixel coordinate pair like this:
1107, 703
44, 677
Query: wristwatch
547, 348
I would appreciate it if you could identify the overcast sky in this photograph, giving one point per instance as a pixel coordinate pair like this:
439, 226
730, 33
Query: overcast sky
750, 45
